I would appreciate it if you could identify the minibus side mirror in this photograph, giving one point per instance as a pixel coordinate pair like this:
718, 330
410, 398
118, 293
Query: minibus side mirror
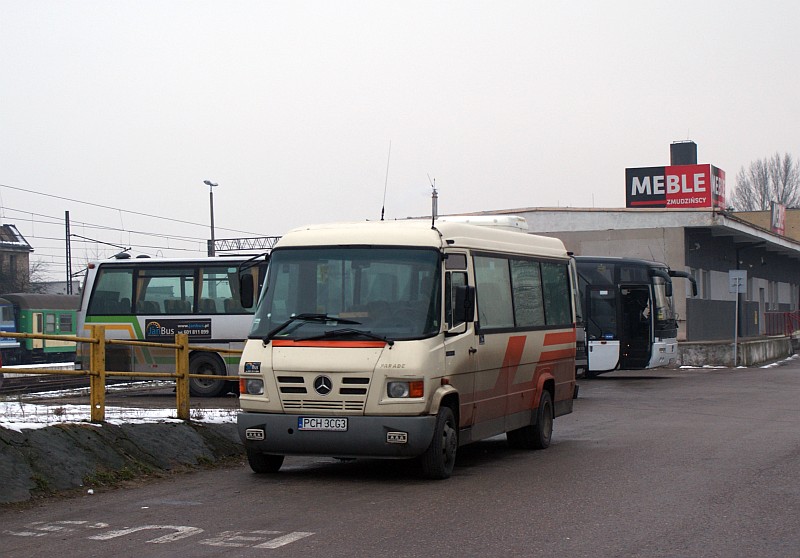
464, 304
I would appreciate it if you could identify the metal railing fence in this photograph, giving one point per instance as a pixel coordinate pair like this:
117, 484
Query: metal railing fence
98, 374
782, 323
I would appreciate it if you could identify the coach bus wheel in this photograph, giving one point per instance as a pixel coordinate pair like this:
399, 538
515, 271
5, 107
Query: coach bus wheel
205, 363
535, 436
440, 457
263, 463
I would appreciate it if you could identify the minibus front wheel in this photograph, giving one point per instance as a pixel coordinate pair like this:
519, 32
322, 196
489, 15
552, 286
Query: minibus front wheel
440, 457
264, 463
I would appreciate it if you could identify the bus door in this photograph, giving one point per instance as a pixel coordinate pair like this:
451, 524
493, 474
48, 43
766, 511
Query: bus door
636, 333
602, 335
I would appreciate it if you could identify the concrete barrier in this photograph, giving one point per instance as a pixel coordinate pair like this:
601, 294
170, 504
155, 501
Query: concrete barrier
749, 352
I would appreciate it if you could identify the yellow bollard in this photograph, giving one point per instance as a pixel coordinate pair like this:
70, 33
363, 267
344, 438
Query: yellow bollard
97, 371
182, 375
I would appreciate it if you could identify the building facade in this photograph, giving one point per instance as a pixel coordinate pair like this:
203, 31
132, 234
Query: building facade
14, 260
707, 242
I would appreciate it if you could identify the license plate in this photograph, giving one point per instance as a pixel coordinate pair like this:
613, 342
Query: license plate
329, 424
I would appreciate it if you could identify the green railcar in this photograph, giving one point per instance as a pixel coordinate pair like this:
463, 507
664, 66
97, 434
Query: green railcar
43, 314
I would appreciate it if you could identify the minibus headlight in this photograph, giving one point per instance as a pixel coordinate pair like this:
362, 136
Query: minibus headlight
253, 387
405, 389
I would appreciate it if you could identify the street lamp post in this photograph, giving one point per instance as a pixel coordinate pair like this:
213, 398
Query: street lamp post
211, 185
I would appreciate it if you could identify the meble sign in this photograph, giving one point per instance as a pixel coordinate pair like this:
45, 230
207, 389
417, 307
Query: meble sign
675, 186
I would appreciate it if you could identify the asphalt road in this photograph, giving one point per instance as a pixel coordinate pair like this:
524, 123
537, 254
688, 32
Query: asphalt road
662, 463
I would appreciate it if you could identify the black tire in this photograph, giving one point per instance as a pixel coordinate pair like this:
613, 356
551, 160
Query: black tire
535, 436
439, 459
211, 364
264, 463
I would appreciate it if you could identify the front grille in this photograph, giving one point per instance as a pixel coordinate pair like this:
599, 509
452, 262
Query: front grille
297, 392
291, 389
317, 405
290, 379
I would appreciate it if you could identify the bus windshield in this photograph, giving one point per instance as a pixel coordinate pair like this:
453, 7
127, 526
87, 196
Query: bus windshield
350, 292
662, 303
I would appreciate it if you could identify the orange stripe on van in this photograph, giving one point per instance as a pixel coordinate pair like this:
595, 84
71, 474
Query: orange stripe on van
557, 354
513, 356
329, 343
559, 338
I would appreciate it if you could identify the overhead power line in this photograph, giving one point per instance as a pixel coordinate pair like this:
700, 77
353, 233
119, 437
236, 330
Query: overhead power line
119, 209
59, 222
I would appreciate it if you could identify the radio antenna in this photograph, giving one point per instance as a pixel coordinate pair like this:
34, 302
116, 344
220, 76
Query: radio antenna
434, 201
386, 181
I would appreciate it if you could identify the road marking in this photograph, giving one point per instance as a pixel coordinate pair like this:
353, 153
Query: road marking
286, 539
44, 528
181, 532
238, 538
253, 539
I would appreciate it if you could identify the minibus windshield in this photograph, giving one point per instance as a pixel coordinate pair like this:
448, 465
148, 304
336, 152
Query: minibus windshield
350, 293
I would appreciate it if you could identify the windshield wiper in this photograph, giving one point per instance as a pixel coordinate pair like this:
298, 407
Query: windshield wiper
303, 318
349, 331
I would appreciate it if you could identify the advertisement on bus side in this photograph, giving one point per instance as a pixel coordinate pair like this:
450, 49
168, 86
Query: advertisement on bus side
160, 330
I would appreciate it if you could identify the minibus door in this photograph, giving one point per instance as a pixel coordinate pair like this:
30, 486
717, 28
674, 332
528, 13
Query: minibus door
602, 339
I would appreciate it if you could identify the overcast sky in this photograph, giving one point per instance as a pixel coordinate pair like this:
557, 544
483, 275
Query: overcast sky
291, 108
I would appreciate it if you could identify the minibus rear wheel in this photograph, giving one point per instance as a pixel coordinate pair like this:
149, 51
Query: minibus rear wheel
535, 436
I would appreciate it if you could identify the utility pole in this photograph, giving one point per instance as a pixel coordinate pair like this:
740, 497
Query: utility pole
211, 185
69, 255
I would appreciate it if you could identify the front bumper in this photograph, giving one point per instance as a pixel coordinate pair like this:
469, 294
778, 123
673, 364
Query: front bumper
366, 436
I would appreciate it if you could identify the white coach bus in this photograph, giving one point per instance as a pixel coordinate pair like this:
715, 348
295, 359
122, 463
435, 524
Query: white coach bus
629, 314
407, 339
152, 299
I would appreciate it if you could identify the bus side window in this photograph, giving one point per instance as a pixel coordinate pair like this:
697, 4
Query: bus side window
232, 306
148, 307
493, 286
177, 306
207, 306
104, 302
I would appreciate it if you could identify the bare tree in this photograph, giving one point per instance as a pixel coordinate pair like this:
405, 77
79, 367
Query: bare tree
785, 174
17, 281
774, 179
36, 277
